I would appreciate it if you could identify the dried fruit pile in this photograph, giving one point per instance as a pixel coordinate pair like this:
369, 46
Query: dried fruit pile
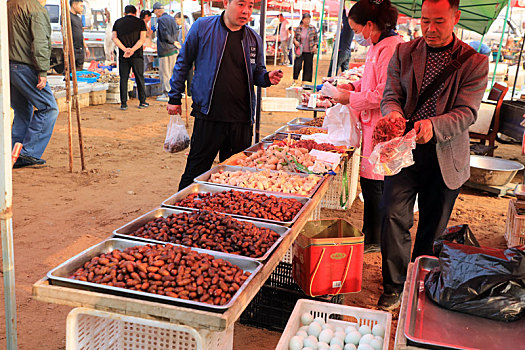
387, 129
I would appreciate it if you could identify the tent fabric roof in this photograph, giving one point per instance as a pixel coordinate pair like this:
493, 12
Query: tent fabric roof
476, 15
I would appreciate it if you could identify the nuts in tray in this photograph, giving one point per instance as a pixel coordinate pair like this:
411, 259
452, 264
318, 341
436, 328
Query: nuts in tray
311, 144
268, 181
278, 157
316, 122
310, 131
251, 204
281, 137
176, 272
209, 230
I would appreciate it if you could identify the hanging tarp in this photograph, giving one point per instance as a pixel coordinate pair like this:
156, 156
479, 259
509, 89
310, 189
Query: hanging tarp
476, 15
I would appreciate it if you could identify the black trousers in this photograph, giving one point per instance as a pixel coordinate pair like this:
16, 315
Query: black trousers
208, 139
125, 66
308, 59
436, 202
372, 193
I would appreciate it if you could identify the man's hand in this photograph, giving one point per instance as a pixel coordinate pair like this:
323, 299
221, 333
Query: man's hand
275, 76
174, 109
128, 52
342, 96
392, 116
424, 131
88, 54
41, 83
177, 45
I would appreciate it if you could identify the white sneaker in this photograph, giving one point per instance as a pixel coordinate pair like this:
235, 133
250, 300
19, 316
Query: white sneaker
163, 98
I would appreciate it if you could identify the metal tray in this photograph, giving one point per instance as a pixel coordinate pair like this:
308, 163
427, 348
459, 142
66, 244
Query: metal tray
280, 137
300, 121
258, 146
60, 275
124, 231
304, 108
431, 326
289, 129
204, 188
203, 178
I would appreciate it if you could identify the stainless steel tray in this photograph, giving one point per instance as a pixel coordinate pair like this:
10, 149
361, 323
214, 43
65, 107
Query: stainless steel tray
204, 188
279, 137
431, 326
300, 121
204, 178
289, 129
60, 275
127, 229
308, 109
258, 146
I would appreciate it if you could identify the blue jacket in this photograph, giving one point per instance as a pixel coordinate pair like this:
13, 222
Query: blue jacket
204, 47
167, 34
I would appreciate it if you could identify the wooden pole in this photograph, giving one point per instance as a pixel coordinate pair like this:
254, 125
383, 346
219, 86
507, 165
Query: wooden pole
75, 84
186, 84
65, 48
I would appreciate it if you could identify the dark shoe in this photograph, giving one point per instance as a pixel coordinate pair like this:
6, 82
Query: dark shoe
389, 301
372, 248
24, 161
144, 105
124, 106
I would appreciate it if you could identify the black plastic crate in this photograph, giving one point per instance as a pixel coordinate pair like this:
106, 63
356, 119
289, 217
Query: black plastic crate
281, 277
511, 116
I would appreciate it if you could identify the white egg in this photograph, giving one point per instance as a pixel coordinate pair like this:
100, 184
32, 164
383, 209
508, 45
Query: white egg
379, 338
335, 347
311, 342
306, 318
314, 329
338, 341
364, 347
376, 344
329, 326
302, 334
322, 345
378, 330
349, 347
304, 328
364, 329
296, 343
308, 349
326, 335
353, 338
366, 339
349, 329
339, 329
340, 334
319, 320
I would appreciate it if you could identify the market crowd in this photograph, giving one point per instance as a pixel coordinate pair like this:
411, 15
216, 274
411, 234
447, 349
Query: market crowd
434, 83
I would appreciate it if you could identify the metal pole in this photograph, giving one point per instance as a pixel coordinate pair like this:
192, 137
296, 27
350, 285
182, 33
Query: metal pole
517, 70
262, 31
335, 50
75, 85
6, 183
319, 47
500, 44
65, 49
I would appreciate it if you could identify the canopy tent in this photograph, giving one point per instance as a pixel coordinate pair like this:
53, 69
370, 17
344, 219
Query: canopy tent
476, 15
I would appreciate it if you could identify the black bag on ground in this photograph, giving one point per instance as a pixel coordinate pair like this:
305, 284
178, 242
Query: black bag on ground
459, 233
484, 282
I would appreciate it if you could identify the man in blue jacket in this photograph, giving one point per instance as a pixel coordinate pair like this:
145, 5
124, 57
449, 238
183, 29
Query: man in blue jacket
345, 50
229, 61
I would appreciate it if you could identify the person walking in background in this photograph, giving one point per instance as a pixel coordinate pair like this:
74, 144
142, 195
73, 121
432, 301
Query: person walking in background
129, 34
229, 61
35, 108
167, 44
81, 49
109, 45
441, 114
283, 37
374, 26
181, 39
345, 47
290, 46
305, 41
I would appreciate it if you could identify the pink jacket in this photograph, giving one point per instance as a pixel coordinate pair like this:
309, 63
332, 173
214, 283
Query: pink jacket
367, 96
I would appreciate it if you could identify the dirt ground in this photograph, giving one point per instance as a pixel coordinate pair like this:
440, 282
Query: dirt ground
58, 214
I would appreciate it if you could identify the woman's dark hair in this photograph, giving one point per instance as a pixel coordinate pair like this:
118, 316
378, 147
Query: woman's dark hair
145, 13
382, 13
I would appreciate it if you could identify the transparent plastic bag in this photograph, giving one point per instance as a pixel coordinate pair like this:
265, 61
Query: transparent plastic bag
344, 128
177, 138
329, 90
391, 156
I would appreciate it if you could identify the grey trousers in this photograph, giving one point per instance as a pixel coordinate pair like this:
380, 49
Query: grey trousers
166, 65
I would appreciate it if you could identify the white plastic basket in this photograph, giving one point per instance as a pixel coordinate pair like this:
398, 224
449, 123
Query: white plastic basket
89, 329
331, 199
352, 316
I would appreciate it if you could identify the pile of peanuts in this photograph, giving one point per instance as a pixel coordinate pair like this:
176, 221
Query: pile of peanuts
248, 203
209, 230
176, 272
310, 131
316, 122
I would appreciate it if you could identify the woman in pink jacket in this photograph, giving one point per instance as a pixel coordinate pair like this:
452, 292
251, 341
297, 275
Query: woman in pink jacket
373, 22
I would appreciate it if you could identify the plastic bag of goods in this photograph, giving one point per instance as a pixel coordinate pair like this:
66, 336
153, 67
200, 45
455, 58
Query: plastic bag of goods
391, 156
479, 281
177, 138
344, 128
